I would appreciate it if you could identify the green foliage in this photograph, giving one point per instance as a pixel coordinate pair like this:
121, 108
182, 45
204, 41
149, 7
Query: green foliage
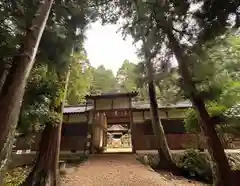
126, 78
39, 91
233, 112
230, 96
45, 88
16, 176
80, 79
196, 165
103, 80
217, 73
233, 117
54, 118
216, 70
168, 86
191, 122
226, 120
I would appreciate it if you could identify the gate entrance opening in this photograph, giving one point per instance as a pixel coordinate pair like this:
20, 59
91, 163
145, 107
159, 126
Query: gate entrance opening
112, 122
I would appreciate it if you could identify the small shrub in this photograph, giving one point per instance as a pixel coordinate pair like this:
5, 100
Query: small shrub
16, 176
195, 165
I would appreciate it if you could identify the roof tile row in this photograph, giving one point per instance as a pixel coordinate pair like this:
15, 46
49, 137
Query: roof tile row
135, 105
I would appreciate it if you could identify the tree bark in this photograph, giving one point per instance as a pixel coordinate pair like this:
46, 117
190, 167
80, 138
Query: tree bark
165, 156
215, 148
46, 168
12, 91
3, 73
43, 167
59, 134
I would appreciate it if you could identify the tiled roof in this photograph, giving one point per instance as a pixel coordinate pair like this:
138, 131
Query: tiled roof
135, 105
146, 105
116, 128
77, 109
110, 95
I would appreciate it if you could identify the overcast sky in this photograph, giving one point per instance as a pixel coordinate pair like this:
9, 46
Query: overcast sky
105, 46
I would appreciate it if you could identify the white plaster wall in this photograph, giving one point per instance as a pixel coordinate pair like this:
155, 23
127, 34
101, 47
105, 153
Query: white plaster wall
101, 138
177, 113
75, 118
147, 114
172, 114
90, 116
65, 117
137, 117
103, 104
121, 103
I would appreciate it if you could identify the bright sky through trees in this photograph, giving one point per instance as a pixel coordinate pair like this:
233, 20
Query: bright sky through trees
105, 46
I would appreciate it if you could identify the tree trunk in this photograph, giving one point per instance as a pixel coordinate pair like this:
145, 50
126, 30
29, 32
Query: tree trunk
46, 169
3, 73
216, 151
165, 156
59, 133
12, 91
166, 160
43, 166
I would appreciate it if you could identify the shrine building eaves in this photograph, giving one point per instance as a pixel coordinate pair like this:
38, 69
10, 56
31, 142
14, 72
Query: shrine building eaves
111, 95
135, 106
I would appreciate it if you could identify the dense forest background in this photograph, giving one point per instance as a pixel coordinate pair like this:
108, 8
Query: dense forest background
86, 79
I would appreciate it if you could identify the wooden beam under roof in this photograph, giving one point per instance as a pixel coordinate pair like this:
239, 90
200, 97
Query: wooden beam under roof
111, 95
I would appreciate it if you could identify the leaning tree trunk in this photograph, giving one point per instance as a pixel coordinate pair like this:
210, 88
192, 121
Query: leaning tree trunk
223, 171
165, 156
12, 91
46, 168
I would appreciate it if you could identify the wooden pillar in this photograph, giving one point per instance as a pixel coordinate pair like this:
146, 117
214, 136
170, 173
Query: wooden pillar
104, 139
93, 130
92, 139
105, 130
132, 126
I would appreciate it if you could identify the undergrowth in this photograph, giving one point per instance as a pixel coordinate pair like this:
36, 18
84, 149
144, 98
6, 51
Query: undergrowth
16, 176
192, 164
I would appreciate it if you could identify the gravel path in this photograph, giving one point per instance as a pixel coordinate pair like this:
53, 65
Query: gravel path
117, 170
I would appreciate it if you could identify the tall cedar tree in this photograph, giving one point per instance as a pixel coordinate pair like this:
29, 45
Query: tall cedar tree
12, 91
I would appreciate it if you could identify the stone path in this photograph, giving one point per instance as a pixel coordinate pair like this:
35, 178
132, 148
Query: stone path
117, 170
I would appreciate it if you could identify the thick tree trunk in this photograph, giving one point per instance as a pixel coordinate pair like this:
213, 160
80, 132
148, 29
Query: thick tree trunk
46, 169
215, 148
12, 91
165, 156
44, 163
